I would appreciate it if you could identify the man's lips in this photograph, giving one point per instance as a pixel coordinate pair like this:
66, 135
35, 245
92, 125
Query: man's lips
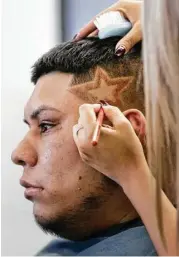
32, 190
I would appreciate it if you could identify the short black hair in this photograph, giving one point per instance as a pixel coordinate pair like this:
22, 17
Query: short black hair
79, 57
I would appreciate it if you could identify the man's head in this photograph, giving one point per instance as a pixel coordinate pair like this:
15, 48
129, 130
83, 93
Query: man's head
74, 200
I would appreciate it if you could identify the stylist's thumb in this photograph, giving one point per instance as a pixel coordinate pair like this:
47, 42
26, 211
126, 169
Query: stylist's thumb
129, 40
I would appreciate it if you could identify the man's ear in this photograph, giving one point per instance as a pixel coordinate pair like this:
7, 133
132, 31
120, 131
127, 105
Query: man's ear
138, 122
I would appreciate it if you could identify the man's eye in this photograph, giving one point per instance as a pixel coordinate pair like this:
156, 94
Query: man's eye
44, 127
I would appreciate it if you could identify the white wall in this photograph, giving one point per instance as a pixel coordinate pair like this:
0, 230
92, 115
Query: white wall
29, 29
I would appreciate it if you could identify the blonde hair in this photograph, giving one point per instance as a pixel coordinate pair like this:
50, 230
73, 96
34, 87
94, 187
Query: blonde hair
161, 74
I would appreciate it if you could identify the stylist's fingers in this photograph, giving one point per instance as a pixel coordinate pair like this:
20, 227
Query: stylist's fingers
85, 31
129, 40
94, 33
78, 132
115, 116
82, 132
88, 117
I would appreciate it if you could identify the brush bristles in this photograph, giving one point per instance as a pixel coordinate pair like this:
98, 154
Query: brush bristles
109, 18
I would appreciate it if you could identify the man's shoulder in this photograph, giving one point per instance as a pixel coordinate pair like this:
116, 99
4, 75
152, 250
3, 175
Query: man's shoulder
131, 242
57, 247
134, 241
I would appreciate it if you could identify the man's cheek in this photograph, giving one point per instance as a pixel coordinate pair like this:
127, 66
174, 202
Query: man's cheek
47, 154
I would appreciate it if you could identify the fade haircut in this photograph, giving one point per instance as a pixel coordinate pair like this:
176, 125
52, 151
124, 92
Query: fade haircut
94, 65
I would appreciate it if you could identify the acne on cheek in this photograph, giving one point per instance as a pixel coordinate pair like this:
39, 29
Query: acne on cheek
79, 188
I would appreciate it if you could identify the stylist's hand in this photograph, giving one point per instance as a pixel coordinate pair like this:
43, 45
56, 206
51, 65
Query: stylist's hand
131, 10
118, 154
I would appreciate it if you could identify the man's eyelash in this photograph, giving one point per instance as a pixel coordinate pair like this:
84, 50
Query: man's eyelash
45, 126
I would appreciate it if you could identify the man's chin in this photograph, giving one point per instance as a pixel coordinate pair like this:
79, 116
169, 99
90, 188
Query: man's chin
60, 227
72, 223
68, 224
47, 220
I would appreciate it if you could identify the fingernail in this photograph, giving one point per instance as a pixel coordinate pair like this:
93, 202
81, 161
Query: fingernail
76, 36
120, 51
103, 102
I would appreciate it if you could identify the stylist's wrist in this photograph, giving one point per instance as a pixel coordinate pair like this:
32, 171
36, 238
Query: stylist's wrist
134, 178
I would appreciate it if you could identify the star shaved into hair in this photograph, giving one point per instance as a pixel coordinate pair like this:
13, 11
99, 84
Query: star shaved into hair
103, 87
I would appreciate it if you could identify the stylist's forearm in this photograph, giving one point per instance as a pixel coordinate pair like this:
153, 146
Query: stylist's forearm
143, 201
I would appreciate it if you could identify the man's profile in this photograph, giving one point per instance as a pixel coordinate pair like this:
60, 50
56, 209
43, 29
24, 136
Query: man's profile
70, 199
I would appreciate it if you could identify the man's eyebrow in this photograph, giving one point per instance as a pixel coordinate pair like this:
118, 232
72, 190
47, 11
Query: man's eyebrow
34, 115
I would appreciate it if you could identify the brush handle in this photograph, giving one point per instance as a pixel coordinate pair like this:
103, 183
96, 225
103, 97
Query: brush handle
97, 130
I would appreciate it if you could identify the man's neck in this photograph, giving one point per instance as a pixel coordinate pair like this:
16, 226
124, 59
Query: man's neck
118, 210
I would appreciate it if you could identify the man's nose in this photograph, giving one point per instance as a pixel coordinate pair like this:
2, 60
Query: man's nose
25, 154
